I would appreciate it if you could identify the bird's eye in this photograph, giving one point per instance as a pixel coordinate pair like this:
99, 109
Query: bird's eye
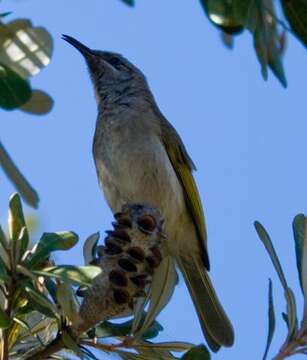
114, 61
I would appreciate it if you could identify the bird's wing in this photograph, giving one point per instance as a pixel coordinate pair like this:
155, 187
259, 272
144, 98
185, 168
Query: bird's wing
183, 166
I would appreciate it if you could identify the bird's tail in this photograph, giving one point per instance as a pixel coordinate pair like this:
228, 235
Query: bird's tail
215, 324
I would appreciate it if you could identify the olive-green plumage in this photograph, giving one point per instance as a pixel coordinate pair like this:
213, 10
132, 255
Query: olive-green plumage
140, 158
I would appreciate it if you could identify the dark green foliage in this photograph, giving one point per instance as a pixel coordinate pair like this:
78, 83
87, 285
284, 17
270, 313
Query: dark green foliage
199, 352
299, 231
129, 2
14, 90
296, 14
223, 15
271, 320
108, 329
257, 16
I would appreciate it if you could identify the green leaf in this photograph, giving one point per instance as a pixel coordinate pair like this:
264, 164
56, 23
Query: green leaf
50, 242
296, 14
221, 14
4, 320
19, 181
42, 303
110, 329
3, 272
199, 352
162, 288
17, 227
81, 275
300, 237
28, 329
14, 90
129, 2
2, 15
271, 318
16, 218
40, 103
67, 301
259, 16
177, 346
89, 248
291, 306
4, 255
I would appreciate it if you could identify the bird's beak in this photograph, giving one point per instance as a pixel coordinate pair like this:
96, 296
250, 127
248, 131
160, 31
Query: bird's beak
84, 50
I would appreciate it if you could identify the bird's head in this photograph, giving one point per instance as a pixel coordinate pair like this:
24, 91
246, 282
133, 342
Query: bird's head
108, 70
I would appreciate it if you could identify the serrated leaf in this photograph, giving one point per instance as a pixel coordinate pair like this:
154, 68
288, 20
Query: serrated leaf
162, 288
291, 306
4, 320
296, 14
89, 247
40, 103
81, 275
20, 182
199, 352
67, 301
14, 90
50, 242
42, 304
271, 320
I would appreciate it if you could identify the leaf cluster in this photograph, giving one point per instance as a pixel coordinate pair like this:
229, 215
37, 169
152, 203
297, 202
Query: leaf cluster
296, 339
39, 305
259, 17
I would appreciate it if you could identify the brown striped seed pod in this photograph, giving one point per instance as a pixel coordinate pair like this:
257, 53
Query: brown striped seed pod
128, 258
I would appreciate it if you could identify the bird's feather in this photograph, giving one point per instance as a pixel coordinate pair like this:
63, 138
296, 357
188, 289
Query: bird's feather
183, 166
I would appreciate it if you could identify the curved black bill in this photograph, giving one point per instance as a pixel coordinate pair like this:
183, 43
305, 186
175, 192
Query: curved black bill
84, 50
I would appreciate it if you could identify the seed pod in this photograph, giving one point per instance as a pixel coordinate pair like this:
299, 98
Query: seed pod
112, 248
131, 253
123, 220
140, 293
152, 261
147, 223
137, 253
118, 278
121, 296
120, 234
140, 280
127, 265
156, 253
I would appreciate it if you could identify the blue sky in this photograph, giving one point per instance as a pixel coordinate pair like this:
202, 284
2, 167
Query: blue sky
246, 136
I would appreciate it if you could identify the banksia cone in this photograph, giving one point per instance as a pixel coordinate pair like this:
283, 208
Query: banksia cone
129, 257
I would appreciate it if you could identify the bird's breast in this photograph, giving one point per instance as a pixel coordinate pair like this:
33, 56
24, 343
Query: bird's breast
133, 167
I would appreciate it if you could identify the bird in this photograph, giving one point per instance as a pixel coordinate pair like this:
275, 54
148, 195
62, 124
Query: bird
140, 158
